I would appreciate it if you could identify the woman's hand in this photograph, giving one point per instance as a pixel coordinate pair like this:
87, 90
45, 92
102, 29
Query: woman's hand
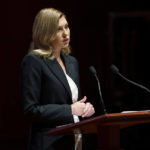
88, 110
83, 109
78, 107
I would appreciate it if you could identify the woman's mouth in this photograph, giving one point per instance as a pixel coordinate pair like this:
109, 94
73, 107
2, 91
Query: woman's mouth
66, 41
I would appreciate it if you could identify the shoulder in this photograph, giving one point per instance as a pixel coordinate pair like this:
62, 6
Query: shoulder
31, 61
72, 59
31, 58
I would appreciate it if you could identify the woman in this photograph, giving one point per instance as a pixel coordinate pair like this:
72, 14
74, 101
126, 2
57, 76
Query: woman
50, 89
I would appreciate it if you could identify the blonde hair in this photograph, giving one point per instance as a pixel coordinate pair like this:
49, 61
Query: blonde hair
44, 31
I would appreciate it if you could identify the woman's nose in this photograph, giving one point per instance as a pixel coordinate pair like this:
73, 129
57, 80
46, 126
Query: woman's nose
65, 32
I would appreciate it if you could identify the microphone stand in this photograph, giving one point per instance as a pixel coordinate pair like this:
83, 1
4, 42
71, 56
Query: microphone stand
100, 94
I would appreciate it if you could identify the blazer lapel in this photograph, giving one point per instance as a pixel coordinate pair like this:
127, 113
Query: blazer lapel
70, 69
57, 70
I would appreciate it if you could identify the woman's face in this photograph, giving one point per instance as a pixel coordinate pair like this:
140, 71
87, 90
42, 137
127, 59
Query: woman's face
62, 38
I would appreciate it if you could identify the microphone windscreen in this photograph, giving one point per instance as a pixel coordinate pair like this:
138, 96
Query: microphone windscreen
114, 69
92, 70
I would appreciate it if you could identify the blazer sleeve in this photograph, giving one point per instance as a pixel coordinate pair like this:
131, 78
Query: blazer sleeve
31, 78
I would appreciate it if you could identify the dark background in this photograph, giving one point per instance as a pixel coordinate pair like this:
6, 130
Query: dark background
102, 32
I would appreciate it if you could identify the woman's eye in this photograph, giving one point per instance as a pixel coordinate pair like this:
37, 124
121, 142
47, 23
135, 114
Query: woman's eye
59, 29
66, 26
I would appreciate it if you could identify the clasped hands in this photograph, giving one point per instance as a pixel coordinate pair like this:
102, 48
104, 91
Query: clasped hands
80, 108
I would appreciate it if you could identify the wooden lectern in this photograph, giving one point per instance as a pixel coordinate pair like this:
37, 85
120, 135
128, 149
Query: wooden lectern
107, 127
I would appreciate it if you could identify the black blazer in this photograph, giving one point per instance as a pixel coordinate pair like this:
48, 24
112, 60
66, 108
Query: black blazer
46, 99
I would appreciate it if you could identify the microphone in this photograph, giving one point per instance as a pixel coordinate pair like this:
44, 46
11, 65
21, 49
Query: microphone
93, 71
115, 70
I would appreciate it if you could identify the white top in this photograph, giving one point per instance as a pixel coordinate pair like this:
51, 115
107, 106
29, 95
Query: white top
74, 92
